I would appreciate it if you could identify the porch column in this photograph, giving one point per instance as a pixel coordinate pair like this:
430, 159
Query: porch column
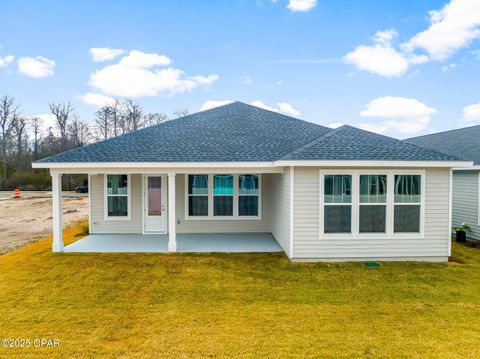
57, 245
172, 234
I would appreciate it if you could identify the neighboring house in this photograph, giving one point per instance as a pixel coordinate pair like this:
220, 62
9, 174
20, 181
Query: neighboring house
462, 143
324, 194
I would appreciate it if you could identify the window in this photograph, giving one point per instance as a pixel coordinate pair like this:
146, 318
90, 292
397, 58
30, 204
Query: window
407, 198
218, 196
198, 195
338, 204
223, 195
117, 193
373, 204
248, 195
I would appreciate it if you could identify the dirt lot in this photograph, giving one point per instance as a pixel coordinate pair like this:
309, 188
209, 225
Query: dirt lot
27, 220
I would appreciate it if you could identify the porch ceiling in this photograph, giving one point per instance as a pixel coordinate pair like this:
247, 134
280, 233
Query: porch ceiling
198, 242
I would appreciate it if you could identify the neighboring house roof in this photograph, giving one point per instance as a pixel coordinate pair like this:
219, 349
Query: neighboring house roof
463, 143
350, 143
243, 133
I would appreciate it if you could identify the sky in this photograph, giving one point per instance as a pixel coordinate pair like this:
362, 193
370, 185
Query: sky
401, 68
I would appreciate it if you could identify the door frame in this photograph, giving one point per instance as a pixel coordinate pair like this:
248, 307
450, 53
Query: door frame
144, 202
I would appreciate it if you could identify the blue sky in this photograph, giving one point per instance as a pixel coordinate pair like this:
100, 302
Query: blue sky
394, 67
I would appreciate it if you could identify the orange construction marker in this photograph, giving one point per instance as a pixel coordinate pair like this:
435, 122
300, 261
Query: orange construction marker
17, 193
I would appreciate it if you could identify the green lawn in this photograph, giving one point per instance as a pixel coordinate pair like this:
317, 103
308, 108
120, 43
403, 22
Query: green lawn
237, 305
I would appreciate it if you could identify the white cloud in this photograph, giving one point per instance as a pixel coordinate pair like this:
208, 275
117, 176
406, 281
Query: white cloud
451, 28
100, 54
381, 58
246, 80
140, 74
37, 67
301, 5
288, 109
6, 60
471, 114
144, 60
449, 67
96, 99
282, 107
207, 105
399, 114
335, 125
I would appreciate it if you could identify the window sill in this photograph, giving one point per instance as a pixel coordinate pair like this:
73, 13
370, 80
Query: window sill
223, 218
118, 218
373, 236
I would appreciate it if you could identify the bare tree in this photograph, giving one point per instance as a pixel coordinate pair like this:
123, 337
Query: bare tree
36, 124
7, 114
151, 119
19, 131
102, 123
116, 114
63, 113
78, 132
133, 117
181, 112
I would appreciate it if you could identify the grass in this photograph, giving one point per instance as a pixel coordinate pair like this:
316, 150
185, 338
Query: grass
237, 305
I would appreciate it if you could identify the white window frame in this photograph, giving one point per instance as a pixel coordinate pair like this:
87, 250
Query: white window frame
187, 195
235, 199
355, 229
106, 195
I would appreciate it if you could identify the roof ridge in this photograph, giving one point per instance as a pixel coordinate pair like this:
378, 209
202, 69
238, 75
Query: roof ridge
312, 142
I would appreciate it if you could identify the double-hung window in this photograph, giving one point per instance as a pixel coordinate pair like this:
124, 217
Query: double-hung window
373, 204
248, 195
408, 200
370, 203
197, 195
223, 196
337, 204
117, 203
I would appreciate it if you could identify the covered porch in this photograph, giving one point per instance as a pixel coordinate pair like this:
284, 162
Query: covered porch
186, 242
181, 210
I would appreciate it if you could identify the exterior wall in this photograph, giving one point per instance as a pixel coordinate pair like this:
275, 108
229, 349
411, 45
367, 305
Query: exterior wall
97, 207
221, 225
280, 210
466, 194
309, 245
134, 225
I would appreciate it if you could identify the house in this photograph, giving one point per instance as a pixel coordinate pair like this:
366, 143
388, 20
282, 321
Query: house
462, 143
240, 174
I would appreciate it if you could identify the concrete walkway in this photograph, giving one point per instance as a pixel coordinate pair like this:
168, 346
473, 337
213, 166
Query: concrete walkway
208, 242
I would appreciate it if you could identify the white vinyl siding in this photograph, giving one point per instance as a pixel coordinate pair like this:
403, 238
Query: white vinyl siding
466, 199
309, 245
280, 214
99, 222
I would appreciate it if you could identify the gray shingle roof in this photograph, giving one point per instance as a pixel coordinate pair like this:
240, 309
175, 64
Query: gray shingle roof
230, 133
350, 143
243, 133
463, 143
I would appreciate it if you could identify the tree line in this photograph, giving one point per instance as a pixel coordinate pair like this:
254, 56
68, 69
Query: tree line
24, 139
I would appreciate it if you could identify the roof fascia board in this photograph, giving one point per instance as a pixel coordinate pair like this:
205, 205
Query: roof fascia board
361, 163
143, 166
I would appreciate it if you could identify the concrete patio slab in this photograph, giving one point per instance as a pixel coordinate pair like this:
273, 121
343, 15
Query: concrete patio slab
192, 242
